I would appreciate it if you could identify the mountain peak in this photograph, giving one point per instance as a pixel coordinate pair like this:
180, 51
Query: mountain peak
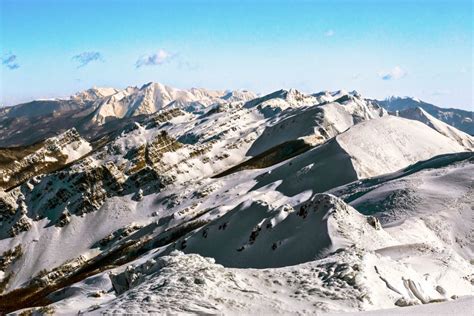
394, 98
457, 118
93, 94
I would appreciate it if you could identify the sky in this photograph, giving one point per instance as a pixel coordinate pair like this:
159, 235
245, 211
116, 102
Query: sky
418, 48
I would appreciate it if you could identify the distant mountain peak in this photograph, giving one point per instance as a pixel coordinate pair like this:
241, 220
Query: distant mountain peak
457, 118
93, 94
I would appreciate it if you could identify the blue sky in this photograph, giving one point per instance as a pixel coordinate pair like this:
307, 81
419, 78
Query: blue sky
380, 48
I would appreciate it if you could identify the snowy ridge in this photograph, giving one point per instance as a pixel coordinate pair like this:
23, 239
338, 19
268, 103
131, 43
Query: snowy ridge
421, 115
395, 145
357, 153
315, 124
283, 236
459, 119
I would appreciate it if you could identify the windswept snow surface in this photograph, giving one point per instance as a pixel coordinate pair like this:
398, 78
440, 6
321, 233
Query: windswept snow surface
258, 236
441, 197
461, 306
372, 268
390, 143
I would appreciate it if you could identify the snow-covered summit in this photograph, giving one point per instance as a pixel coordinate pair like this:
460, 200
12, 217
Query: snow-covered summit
153, 97
93, 94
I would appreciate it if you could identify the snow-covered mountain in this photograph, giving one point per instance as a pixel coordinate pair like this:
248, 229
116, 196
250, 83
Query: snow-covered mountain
99, 111
198, 201
153, 97
460, 119
94, 94
90, 110
447, 130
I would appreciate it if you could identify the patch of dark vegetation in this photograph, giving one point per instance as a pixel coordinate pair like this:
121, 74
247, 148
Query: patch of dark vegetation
270, 157
116, 236
10, 256
4, 282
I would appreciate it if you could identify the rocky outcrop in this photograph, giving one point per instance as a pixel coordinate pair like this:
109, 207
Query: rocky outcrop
52, 154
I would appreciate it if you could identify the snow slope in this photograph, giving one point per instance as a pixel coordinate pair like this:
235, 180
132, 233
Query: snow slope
462, 306
414, 266
390, 143
393, 269
440, 195
256, 235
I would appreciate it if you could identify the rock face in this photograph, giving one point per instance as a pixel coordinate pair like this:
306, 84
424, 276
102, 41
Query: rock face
182, 191
20, 164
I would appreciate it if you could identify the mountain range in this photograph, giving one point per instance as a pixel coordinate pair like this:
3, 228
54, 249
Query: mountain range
96, 112
162, 200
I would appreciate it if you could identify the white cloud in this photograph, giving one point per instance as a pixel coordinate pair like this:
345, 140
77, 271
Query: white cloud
396, 73
159, 58
329, 33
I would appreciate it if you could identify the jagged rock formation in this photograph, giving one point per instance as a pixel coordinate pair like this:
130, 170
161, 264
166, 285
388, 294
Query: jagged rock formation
20, 164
